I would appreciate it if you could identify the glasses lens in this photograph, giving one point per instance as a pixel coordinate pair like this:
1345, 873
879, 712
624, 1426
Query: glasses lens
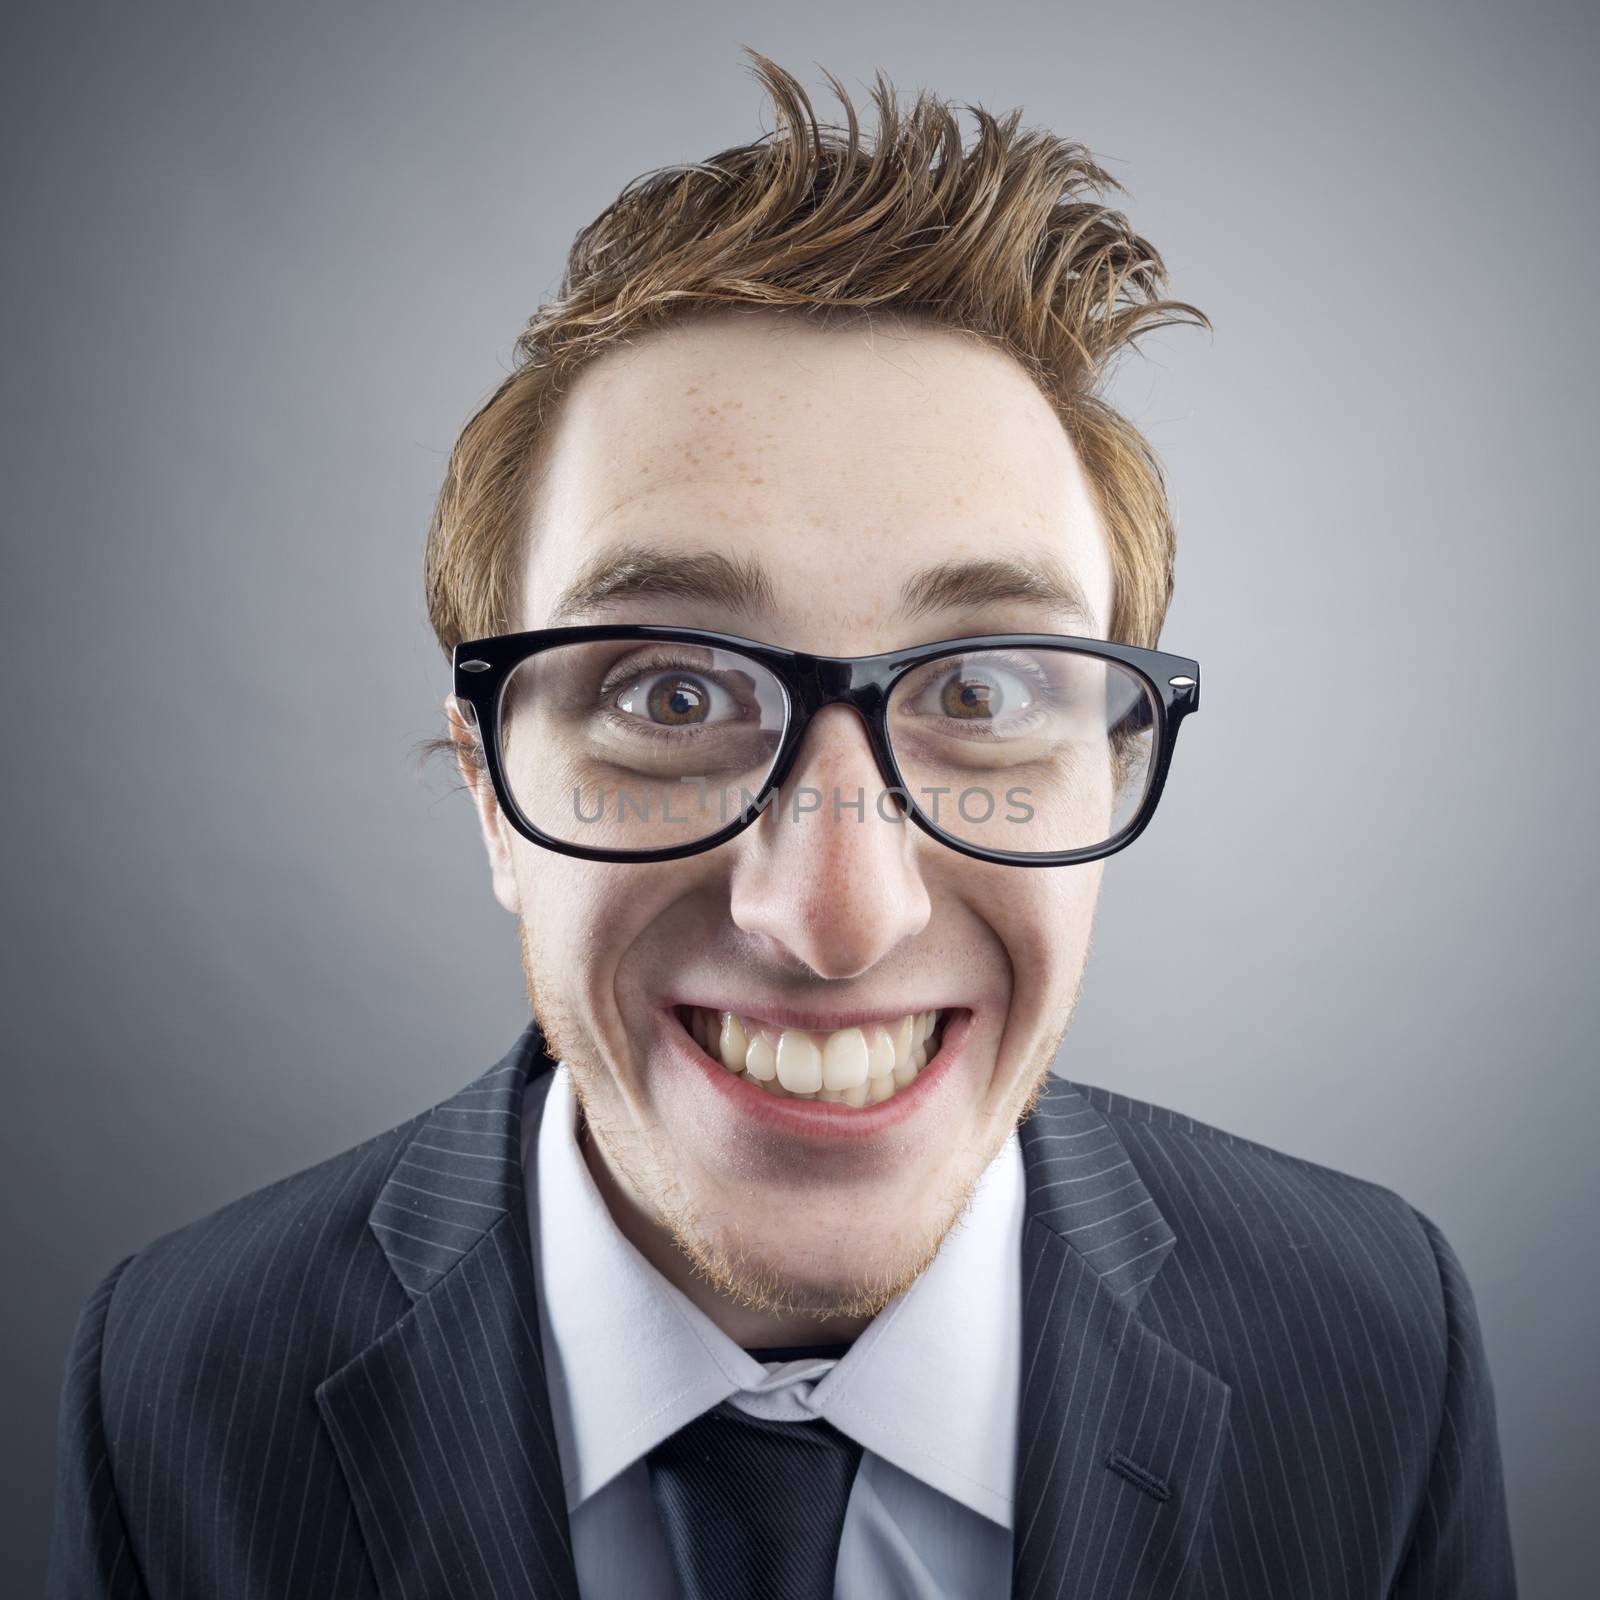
630, 744
1030, 751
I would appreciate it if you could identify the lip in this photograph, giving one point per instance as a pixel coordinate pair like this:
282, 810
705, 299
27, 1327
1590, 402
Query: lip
822, 1119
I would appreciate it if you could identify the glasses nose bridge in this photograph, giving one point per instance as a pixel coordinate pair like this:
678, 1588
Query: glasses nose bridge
826, 682
834, 680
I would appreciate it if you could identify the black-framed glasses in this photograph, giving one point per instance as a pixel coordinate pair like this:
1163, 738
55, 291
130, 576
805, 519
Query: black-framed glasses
646, 743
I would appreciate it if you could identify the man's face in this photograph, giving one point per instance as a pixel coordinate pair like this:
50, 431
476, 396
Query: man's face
845, 462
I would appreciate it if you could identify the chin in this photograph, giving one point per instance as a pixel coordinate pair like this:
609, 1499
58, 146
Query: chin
776, 1277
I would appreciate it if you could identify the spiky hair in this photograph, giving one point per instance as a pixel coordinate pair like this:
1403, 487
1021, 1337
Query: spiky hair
1011, 243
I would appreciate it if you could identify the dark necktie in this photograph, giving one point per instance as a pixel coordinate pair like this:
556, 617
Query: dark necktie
752, 1509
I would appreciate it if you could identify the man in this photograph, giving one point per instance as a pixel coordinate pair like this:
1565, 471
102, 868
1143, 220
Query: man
802, 599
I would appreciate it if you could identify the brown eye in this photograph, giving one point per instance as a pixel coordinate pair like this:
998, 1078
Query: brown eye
677, 702
970, 697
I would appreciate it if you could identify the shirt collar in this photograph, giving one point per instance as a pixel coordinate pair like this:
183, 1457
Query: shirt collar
629, 1358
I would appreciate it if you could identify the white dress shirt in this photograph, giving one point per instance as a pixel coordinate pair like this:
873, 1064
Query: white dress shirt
929, 1389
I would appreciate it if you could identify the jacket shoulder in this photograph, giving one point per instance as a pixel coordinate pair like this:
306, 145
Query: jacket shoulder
1200, 1165
290, 1272
1343, 1321
196, 1366
1316, 1293
296, 1254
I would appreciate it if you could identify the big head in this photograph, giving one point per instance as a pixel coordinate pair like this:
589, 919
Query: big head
838, 395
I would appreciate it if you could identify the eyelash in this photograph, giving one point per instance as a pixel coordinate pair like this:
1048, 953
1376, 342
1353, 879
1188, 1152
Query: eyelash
630, 673
1025, 667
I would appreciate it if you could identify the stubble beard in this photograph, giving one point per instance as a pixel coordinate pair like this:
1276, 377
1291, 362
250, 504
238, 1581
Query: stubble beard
731, 1269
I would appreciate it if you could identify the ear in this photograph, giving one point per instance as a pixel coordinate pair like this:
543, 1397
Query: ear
497, 832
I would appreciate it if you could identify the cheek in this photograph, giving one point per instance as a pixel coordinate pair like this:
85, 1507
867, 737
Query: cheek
1045, 923
577, 908
596, 929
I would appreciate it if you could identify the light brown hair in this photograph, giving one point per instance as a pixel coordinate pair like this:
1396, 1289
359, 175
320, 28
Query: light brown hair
1010, 243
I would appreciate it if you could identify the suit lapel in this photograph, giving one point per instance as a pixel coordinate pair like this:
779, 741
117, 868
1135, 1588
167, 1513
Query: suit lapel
442, 1425
1119, 1431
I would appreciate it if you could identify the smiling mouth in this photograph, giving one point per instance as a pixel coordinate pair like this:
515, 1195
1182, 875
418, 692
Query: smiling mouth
860, 1066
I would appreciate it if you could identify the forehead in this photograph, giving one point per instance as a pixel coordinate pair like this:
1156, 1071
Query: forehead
836, 464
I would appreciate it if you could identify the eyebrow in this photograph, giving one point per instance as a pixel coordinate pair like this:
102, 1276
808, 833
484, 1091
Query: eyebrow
622, 572
626, 571
991, 580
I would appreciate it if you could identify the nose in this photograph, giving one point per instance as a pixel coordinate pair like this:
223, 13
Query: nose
830, 872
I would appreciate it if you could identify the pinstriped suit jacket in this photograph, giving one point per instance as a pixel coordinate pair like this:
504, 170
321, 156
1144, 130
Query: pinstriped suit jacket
1244, 1376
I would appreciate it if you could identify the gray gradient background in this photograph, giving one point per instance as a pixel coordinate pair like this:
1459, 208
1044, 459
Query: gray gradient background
262, 262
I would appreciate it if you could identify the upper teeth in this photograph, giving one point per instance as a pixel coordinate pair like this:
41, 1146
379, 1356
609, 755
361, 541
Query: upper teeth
852, 1066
